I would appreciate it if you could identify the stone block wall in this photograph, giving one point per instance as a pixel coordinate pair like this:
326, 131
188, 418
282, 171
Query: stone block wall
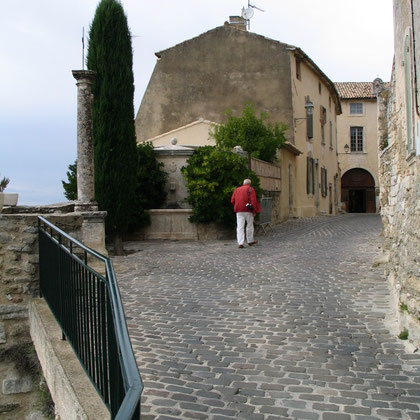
18, 274
400, 208
19, 284
399, 177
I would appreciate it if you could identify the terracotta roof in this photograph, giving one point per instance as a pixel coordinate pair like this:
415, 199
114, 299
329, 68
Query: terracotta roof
355, 90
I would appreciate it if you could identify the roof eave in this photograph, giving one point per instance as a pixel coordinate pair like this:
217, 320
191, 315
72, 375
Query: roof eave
311, 64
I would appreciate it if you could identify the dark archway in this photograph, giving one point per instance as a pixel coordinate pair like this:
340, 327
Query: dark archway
358, 191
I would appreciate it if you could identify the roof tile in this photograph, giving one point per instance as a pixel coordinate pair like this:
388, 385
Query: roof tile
355, 90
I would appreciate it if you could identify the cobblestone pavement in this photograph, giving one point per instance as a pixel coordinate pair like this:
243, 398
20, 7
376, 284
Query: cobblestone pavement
295, 327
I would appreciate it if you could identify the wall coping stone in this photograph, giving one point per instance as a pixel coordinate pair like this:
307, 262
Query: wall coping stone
73, 393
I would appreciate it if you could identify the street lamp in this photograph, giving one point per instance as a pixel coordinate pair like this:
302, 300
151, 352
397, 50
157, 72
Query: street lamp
346, 148
309, 108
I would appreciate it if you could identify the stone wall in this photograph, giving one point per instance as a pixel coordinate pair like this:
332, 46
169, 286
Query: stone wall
399, 179
19, 283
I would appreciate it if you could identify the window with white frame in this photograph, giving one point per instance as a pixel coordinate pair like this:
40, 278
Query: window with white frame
356, 108
356, 139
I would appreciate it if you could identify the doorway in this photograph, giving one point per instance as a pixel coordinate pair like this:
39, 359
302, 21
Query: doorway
358, 191
357, 201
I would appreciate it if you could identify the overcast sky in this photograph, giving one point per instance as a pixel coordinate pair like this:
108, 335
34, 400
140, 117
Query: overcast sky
41, 44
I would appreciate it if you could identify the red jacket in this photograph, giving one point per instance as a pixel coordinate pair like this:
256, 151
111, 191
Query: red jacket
241, 196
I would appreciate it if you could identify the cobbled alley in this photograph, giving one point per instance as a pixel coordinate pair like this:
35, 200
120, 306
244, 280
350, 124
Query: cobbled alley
297, 327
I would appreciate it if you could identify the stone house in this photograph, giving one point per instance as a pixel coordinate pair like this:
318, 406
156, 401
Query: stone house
357, 145
399, 137
227, 67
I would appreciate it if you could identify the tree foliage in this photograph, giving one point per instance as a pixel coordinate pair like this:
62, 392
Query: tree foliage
211, 176
110, 55
70, 187
150, 184
256, 135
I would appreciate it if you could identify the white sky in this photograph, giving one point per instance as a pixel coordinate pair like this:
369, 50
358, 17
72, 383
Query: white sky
41, 44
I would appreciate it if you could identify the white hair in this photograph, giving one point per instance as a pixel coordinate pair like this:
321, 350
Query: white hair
247, 181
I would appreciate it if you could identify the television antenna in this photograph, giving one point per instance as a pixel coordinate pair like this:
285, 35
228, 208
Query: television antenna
249, 12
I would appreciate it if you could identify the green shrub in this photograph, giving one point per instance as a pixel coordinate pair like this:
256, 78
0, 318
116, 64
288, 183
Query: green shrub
403, 335
211, 176
403, 307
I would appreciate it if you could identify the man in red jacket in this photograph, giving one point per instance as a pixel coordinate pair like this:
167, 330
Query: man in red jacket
241, 198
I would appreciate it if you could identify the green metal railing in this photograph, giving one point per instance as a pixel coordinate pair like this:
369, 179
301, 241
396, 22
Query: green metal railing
86, 303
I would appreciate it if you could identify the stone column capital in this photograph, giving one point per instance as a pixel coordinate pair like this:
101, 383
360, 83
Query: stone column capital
87, 76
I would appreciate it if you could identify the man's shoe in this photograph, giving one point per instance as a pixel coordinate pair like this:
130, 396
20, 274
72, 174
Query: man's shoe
253, 243
240, 246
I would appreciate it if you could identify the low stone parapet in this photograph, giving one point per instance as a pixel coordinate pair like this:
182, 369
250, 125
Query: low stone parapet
174, 224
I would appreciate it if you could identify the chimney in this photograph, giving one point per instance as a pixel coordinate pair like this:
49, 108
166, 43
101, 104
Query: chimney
238, 22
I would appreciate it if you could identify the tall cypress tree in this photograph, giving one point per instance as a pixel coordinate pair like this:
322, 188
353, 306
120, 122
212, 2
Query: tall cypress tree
110, 54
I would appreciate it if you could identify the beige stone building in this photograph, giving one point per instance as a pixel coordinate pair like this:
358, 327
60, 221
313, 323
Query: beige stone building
357, 143
227, 67
399, 136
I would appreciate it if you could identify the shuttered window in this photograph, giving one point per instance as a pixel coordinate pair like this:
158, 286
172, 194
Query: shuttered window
331, 135
324, 182
310, 176
408, 91
310, 126
323, 120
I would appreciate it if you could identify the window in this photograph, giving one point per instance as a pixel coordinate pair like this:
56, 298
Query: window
408, 92
356, 108
298, 70
324, 182
331, 135
319, 88
310, 126
356, 139
323, 120
310, 175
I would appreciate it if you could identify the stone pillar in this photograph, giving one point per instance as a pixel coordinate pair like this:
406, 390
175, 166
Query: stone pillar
85, 168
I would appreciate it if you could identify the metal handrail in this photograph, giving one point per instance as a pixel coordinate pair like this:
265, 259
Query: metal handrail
65, 265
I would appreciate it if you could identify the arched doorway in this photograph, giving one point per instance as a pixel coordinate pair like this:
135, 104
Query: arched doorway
358, 191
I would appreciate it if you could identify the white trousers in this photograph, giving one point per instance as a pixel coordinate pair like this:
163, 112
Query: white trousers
241, 218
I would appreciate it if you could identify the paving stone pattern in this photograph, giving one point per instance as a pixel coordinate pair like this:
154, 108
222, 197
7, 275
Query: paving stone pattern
295, 327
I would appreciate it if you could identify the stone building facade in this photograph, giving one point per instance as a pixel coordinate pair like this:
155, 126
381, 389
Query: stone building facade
227, 67
399, 137
358, 145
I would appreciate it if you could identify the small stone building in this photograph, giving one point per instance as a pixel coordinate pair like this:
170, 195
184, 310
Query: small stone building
227, 67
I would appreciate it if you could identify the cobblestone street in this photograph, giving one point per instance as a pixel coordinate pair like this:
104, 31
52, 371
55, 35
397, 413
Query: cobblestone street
296, 327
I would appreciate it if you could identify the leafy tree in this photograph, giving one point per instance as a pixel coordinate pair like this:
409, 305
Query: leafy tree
255, 135
70, 187
110, 55
4, 183
151, 179
150, 183
211, 176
